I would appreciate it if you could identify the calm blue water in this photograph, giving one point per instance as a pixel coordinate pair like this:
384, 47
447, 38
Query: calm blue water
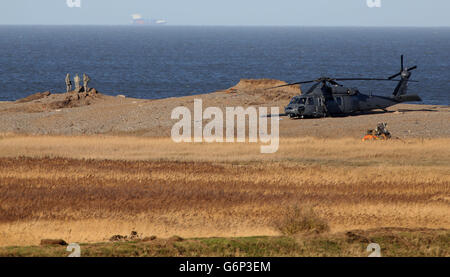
157, 62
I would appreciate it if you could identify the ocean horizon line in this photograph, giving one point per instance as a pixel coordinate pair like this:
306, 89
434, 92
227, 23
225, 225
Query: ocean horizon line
206, 25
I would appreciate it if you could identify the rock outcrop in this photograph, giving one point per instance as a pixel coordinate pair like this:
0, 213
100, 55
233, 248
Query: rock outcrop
76, 99
34, 97
264, 88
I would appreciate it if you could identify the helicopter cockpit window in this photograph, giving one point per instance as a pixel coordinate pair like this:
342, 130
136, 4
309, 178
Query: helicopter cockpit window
339, 100
310, 101
298, 101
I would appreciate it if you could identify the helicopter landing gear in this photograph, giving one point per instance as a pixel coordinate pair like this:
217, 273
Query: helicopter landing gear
291, 116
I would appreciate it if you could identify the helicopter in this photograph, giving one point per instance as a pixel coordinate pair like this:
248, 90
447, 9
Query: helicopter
329, 98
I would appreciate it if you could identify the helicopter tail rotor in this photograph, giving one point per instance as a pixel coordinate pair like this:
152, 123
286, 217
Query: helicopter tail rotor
405, 74
403, 69
402, 63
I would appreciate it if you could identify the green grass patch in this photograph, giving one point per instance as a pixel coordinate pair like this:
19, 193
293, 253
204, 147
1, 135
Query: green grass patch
393, 243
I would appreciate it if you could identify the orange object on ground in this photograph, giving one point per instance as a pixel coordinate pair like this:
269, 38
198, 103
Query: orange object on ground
374, 137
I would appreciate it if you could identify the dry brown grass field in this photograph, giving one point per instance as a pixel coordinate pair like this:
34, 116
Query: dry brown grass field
88, 188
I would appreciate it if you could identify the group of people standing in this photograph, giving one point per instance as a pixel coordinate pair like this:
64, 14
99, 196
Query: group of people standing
77, 80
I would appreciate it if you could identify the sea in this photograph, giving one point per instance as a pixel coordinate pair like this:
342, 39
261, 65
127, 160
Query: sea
170, 61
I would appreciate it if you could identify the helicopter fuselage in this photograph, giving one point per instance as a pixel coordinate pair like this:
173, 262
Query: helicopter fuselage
338, 101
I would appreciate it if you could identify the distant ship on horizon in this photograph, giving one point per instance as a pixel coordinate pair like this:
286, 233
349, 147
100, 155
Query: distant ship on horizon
138, 19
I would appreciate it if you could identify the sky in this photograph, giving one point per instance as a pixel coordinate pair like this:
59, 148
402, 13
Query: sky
421, 13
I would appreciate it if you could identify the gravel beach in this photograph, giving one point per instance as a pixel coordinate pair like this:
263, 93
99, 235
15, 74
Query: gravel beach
95, 113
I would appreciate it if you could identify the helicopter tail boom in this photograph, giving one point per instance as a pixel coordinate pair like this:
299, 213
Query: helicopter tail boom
408, 98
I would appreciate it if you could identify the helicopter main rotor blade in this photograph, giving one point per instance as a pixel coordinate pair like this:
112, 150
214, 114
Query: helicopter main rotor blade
412, 68
358, 79
361, 79
371, 79
413, 81
292, 84
334, 83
